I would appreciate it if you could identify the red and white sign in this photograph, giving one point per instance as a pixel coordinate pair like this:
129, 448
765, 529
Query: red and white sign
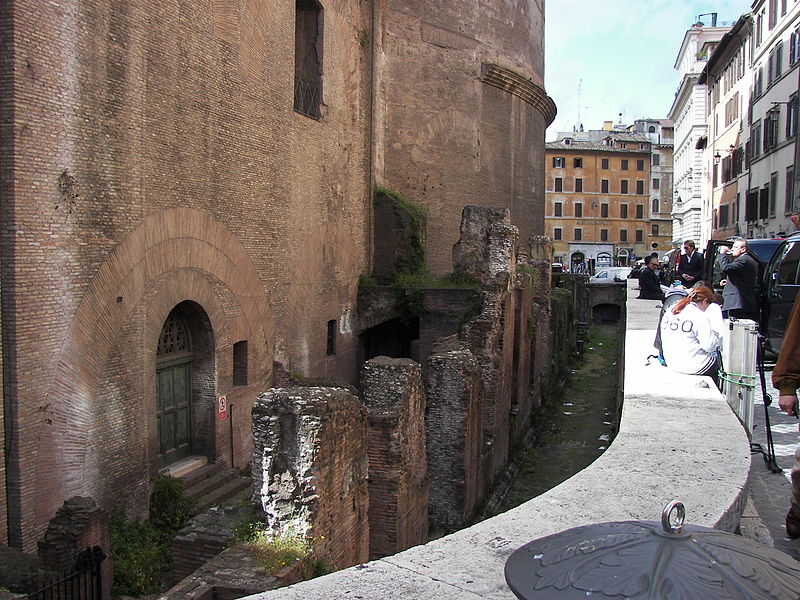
222, 407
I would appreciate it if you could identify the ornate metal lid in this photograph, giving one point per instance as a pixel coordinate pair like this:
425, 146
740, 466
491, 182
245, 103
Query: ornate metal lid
651, 560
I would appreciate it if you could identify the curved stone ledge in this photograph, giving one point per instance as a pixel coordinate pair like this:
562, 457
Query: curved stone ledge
516, 84
678, 440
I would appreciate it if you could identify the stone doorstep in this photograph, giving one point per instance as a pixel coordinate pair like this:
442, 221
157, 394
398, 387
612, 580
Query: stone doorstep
184, 466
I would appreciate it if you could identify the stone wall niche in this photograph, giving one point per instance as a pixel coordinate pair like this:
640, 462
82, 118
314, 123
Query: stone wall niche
310, 469
455, 434
398, 465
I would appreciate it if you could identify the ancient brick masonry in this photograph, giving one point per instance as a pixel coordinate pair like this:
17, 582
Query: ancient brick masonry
310, 469
454, 421
398, 473
487, 249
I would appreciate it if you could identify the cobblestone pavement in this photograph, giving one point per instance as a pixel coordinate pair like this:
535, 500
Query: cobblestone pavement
769, 491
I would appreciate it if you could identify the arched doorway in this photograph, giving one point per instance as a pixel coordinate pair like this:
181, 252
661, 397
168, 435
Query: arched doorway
185, 378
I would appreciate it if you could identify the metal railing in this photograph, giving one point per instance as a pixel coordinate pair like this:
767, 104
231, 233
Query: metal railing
83, 583
307, 98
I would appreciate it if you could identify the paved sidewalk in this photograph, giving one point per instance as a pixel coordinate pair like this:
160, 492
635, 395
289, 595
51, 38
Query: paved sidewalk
770, 491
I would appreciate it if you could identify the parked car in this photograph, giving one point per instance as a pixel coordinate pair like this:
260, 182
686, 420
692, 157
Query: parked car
777, 284
610, 274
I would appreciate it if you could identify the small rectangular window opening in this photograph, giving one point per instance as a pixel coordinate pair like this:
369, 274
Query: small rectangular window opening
331, 347
240, 363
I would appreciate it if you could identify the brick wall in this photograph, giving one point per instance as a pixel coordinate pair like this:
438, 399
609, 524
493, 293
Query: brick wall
310, 469
454, 421
452, 138
398, 468
156, 160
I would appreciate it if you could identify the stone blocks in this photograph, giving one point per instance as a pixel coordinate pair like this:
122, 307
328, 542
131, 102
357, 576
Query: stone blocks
310, 469
398, 466
454, 423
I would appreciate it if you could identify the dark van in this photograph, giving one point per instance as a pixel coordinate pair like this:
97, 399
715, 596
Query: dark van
777, 284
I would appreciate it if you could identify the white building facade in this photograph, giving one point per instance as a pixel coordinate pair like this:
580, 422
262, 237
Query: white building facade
771, 196
691, 212
725, 175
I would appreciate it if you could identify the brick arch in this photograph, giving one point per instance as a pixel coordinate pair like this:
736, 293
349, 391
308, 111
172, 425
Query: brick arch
173, 255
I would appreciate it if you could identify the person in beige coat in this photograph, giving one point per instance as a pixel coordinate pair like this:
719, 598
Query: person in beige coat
786, 377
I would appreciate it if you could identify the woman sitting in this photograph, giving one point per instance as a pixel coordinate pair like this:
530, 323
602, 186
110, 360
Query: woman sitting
691, 333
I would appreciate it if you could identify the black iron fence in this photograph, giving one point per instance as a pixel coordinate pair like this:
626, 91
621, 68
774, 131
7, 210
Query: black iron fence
307, 98
83, 583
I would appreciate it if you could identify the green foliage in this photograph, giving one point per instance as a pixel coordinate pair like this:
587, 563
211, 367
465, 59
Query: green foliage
141, 550
170, 509
142, 557
528, 270
274, 552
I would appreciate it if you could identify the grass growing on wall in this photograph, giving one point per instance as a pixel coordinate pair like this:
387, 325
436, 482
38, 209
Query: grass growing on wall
274, 552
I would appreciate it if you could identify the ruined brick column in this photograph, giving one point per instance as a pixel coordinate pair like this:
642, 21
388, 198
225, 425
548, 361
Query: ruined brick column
78, 525
455, 434
310, 469
398, 465
487, 248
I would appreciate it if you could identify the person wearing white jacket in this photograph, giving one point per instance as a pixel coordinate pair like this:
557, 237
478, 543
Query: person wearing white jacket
691, 334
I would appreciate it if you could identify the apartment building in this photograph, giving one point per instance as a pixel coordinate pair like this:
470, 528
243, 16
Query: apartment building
597, 196
727, 82
771, 124
690, 210
661, 133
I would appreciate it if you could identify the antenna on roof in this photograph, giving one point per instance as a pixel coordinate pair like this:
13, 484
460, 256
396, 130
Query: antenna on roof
580, 85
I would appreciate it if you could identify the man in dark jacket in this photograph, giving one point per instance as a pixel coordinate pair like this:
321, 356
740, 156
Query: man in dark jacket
690, 265
649, 286
740, 271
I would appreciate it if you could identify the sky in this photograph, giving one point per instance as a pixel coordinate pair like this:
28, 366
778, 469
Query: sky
621, 53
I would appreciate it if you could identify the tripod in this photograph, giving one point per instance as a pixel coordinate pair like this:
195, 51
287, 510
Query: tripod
769, 453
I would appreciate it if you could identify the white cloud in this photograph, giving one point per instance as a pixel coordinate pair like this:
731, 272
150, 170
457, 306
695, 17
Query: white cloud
623, 51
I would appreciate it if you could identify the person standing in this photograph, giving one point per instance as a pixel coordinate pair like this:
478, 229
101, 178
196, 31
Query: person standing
740, 271
786, 377
690, 265
649, 285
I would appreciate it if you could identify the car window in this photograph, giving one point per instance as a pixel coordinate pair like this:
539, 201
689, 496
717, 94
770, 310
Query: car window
787, 268
602, 274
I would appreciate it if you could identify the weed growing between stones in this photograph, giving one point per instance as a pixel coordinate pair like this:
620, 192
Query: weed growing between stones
275, 552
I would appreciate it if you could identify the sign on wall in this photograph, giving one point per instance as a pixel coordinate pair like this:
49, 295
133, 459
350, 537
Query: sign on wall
222, 407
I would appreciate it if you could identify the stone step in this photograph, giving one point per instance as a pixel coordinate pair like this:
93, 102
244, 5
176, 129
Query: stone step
201, 474
226, 491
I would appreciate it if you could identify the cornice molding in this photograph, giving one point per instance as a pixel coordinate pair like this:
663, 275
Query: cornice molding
519, 86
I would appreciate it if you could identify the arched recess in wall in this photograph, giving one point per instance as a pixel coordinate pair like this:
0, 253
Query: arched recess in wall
173, 255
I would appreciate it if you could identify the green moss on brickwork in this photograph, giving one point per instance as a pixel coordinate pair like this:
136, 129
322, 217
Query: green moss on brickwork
528, 270
417, 221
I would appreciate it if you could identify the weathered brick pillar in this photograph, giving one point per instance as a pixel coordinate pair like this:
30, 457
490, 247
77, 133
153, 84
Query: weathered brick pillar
398, 465
310, 469
78, 525
455, 434
487, 248
541, 260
